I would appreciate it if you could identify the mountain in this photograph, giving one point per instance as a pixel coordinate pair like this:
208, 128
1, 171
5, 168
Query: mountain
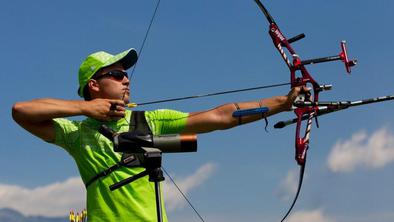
11, 215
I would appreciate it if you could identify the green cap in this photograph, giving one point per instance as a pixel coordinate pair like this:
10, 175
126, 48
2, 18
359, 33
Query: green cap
102, 59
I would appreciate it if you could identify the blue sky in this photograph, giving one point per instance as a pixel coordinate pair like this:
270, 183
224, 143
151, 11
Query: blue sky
200, 47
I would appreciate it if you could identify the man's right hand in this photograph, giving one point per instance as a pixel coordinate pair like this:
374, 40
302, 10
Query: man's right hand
104, 109
37, 115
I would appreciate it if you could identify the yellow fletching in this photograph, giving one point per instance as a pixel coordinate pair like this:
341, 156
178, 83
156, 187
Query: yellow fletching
131, 105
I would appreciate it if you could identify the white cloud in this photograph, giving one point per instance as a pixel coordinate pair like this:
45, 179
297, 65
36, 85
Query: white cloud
50, 200
288, 186
173, 199
57, 199
362, 150
309, 216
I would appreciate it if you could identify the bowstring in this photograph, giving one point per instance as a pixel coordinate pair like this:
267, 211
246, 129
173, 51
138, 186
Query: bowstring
142, 46
184, 196
146, 36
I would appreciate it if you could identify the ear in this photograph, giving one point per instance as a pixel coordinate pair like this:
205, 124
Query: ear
93, 85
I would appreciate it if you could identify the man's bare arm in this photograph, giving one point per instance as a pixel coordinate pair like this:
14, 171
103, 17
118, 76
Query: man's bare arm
36, 115
221, 118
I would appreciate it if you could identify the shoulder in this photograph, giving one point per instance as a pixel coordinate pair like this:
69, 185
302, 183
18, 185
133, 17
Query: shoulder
166, 121
165, 114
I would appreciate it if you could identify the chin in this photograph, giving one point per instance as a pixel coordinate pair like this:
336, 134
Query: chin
126, 99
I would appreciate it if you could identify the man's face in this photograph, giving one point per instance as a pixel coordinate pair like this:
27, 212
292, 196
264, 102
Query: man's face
110, 87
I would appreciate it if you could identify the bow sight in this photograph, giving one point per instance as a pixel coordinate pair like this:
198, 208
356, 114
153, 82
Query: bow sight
341, 56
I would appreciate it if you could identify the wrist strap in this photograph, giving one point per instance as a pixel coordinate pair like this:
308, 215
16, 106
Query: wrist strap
239, 117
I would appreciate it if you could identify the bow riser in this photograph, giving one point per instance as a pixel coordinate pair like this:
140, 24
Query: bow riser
281, 42
302, 144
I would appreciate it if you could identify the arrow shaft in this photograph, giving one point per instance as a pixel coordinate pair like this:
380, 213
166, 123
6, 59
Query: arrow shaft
212, 94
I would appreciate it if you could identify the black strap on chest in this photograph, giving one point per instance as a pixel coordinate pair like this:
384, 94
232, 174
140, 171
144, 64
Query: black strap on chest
138, 124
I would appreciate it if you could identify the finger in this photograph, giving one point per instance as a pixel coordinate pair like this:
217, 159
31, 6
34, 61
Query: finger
113, 107
117, 102
306, 89
116, 113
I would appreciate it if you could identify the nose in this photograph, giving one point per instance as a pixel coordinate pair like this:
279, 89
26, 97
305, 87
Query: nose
126, 81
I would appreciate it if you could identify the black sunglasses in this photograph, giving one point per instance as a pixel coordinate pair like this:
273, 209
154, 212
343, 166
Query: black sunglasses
118, 75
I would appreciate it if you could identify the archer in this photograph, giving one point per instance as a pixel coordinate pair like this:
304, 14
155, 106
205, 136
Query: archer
104, 85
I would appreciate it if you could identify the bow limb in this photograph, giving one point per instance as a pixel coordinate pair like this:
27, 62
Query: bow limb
301, 177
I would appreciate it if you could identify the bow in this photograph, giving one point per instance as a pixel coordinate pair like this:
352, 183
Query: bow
305, 79
309, 112
306, 107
